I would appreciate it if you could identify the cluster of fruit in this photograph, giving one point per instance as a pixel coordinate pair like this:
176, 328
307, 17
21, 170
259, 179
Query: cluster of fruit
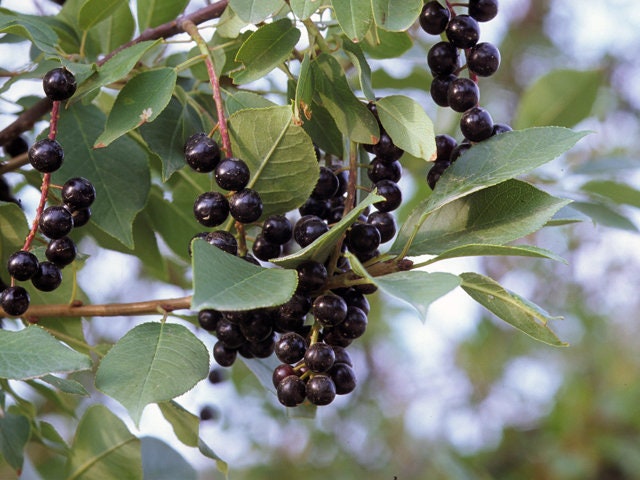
448, 89
54, 222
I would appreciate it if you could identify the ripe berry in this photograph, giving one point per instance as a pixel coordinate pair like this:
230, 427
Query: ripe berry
224, 356
343, 378
262, 349
264, 250
55, 222
434, 17
22, 265
311, 276
291, 314
444, 145
343, 179
291, 391
46, 155
201, 153
308, 229
14, 300
327, 185
229, 334
315, 207
463, 31
290, 348
245, 205
458, 151
435, 172
277, 229
499, 128
385, 223
211, 209
439, 89
353, 298
281, 372
208, 319
61, 251
16, 146
483, 10
463, 94
476, 124
232, 174
363, 238
484, 59
442, 58
224, 241
383, 170
321, 390
385, 149
81, 217
48, 277
78, 193
329, 310
257, 327
392, 194
59, 84
319, 357
354, 325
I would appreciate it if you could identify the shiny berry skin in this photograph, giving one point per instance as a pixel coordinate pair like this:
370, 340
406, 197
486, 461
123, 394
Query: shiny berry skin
458, 151
321, 390
78, 193
354, 324
444, 145
225, 357
308, 229
434, 17
385, 223
476, 124
329, 310
435, 172
383, 170
265, 250
61, 251
81, 217
16, 146
290, 348
356, 299
46, 155
291, 391
223, 240
14, 300
232, 174
277, 229
315, 207
363, 238
245, 205
229, 334
59, 84
211, 209
343, 378
22, 265
463, 31
327, 185
55, 222
201, 153
484, 59
319, 357
499, 128
311, 276
262, 349
442, 58
392, 194
295, 309
463, 94
386, 150
281, 372
343, 179
208, 319
439, 89
483, 10
48, 277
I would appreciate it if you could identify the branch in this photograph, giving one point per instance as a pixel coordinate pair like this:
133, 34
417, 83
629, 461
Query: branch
29, 117
77, 309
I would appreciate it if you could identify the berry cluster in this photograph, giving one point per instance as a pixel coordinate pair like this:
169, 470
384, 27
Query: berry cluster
448, 89
55, 221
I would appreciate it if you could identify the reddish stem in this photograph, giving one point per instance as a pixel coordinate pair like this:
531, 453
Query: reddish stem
217, 97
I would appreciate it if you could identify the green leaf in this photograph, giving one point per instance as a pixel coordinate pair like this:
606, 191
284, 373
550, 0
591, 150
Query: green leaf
304, 91
116, 30
120, 173
152, 13
13, 230
562, 97
93, 12
303, 9
68, 330
255, 11
364, 70
30, 27
351, 115
32, 352
161, 462
244, 101
225, 282
355, 17
15, 431
153, 362
396, 15
484, 250
495, 215
103, 447
324, 131
566, 215
65, 385
605, 215
418, 79
384, 44
280, 156
408, 125
513, 309
141, 100
620, 193
322, 248
265, 49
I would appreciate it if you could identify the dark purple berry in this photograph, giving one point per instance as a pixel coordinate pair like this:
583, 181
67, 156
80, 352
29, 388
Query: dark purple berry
383, 170
343, 178
385, 149
217, 375
281, 372
264, 250
232, 174
321, 390
290, 348
224, 356
14, 300
308, 229
48, 277
78, 193
311, 276
363, 238
245, 205
201, 153
327, 185
463, 94
46, 155
484, 59
291, 391
224, 241
444, 145
434, 17
81, 217
61, 251
277, 229
463, 31
385, 223
354, 325
483, 10
291, 314
476, 124
442, 58
343, 377
439, 89
208, 319
59, 84
262, 349
209, 412
211, 209
315, 207
499, 128
319, 357
435, 172
392, 194
353, 298
329, 310
22, 265
55, 222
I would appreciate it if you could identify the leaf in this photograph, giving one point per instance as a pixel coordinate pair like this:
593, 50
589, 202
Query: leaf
152, 13
566, 215
263, 369
153, 362
116, 30
32, 352
13, 230
408, 125
620, 193
305, 90
418, 79
30, 27
255, 11
396, 15
280, 156
562, 97
120, 174
351, 115
93, 12
364, 70
303, 9
321, 248
265, 49
15, 431
140, 101
484, 250
68, 330
244, 101
225, 282
65, 385
355, 17
161, 462
324, 131
605, 215
522, 314
495, 215
384, 44
103, 447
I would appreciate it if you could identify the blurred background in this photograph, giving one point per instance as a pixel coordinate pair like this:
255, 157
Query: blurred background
463, 395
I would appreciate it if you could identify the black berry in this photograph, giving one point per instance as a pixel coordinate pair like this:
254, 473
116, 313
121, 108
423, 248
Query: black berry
319, 357
382, 170
444, 145
48, 277
354, 324
442, 58
245, 205
232, 174
363, 238
385, 149
311, 276
343, 377
291, 391
484, 59
61, 251
385, 223
321, 390
224, 356
499, 128
15, 300
316, 207
435, 172
211, 209
483, 10
202, 153
290, 348
265, 250
59, 84
439, 89
22, 265
327, 184
78, 193
392, 194
434, 17
277, 229
223, 240
229, 334
55, 222
208, 319
81, 217
476, 124
463, 31
281, 372
46, 155
308, 228
329, 310
463, 94
458, 151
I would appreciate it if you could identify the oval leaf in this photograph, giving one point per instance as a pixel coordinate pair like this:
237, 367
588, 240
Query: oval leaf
93, 12
355, 17
485, 250
396, 15
15, 431
153, 362
152, 13
255, 11
161, 462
